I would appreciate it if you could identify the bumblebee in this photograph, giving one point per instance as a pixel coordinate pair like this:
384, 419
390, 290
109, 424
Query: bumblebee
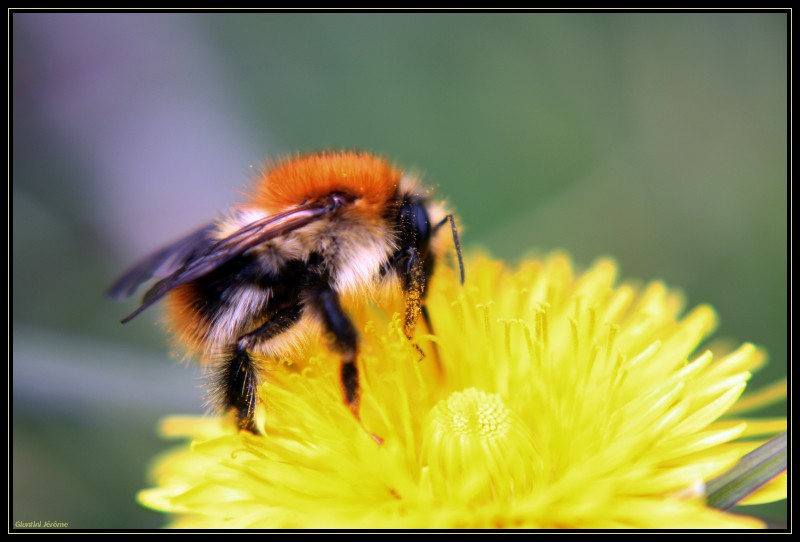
272, 273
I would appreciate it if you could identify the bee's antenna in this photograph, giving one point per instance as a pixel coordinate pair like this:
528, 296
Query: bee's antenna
456, 241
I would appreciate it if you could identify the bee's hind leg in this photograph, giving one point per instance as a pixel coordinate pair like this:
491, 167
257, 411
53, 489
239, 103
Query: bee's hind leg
236, 378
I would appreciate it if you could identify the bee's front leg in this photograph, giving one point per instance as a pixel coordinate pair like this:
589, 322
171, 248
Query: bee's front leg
412, 273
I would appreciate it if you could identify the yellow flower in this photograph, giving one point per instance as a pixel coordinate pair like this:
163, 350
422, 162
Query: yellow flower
551, 399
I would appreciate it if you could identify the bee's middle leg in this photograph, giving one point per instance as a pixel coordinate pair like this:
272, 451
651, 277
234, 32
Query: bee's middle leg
345, 341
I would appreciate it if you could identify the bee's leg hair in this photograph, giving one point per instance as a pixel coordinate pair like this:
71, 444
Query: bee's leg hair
409, 267
414, 283
237, 378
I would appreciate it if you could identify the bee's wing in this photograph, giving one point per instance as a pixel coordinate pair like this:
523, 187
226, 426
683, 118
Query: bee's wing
221, 251
164, 262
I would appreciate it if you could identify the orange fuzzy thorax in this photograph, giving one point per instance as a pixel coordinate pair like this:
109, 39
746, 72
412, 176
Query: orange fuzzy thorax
293, 181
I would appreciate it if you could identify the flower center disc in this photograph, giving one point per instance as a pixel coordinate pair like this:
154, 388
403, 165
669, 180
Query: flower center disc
471, 414
476, 447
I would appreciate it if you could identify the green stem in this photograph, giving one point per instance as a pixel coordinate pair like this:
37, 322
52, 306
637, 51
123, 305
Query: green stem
753, 471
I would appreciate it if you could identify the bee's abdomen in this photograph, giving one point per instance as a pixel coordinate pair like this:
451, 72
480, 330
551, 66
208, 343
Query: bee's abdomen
214, 311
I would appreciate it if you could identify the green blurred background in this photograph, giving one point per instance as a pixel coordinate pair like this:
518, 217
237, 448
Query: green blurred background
659, 139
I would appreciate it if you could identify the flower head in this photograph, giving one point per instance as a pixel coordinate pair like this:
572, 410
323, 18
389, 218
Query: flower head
546, 399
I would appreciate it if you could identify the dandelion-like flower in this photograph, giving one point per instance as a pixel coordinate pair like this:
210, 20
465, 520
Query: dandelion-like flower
546, 399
